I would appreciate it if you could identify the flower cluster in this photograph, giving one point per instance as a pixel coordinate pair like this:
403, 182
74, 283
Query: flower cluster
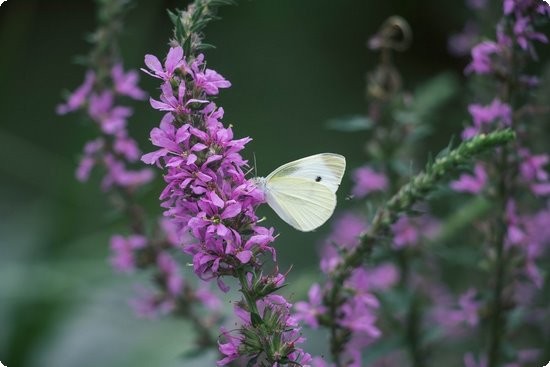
511, 172
115, 149
516, 37
101, 98
211, 205
357, 315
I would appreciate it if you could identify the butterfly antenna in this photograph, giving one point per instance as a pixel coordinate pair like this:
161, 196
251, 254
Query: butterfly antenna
253, 168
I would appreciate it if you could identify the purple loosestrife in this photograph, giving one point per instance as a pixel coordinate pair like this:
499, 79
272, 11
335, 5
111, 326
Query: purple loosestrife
115, 149
211, 205
513, 172
102, 98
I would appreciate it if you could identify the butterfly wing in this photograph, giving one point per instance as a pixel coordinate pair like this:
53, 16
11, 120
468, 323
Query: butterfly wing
325, 169
302, 203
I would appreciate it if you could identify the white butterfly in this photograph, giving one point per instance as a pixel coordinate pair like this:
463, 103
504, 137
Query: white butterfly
303, 192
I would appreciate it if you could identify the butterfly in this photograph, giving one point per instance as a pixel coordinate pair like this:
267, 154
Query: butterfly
303, 192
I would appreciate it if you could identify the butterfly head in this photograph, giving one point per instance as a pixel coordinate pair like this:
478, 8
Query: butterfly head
259, 182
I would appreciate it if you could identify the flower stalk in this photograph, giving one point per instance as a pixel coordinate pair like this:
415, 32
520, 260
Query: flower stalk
100, 99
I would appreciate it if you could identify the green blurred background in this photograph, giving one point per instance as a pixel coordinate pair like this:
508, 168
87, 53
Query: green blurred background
293, 65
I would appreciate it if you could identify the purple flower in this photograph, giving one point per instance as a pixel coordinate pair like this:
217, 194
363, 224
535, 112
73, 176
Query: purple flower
89, 159
230, 349
111, 118
149, 305
309, 311
481, 58
379, 278
170, 271
367, 180
80, 96
123, 251
471, 184
206, 79
409, 231
460, 44
532, 166
208, 298
118, 175
345, 233
174, 60
211, 204
126, 84
126, 147
497, 110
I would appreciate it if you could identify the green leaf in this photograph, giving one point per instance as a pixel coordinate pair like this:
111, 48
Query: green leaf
350, 124
256, 319
433, 94
174, 17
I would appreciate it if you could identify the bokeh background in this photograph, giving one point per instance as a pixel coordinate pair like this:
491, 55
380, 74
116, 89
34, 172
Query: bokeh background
294, 65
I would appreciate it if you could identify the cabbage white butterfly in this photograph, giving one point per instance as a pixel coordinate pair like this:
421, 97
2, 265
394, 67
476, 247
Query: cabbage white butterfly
303, 192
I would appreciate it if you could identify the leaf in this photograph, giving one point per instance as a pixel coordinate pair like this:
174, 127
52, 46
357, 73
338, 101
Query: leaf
433, 94
256, 319
173, 16
350, 124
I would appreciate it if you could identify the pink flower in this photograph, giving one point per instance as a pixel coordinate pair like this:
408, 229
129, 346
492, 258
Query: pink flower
79, 97
170, 271
497, 110
230, 349
345, 233
206, 79
111, 118
367, 180
481, 58
126, 83
174, 60
123, 251
309, 311
471, 184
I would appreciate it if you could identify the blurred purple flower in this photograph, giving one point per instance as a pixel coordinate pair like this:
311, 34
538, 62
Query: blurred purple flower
346, 230
367, 180
497, 110
126, 83
481, 58
309, 311
123, 249
408, 231
80, 96
169, 269
471, 184
102, 109
460, 44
